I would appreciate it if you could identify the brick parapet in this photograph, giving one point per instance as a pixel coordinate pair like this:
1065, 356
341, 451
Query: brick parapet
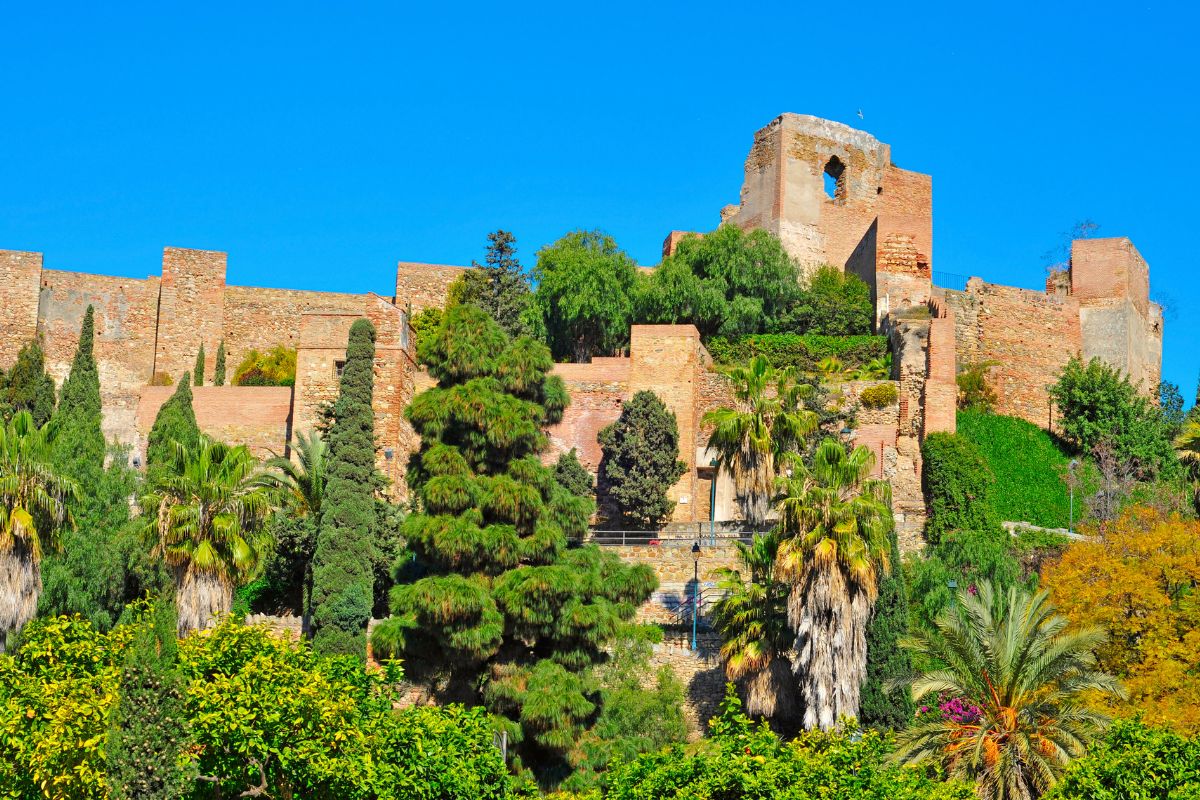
420, 286
20, 276
256, 416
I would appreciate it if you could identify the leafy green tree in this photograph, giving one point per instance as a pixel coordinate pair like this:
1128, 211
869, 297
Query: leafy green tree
198, 370
958, 484
219, 368
35, 506
962, 559
424, 324
584, 296
835, 521
342, 577
27, 386
1170, 404
499, 286
1020, 677
832, 303
146, 749
1134, 761
571, 475
740, 760
768, 420
881, 705
641, 460
729, 282
299, 487
504, 613
205, 517
1098, 406
174, 424
752, 619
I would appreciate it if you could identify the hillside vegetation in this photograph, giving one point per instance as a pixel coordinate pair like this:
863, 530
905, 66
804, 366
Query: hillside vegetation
1029, 466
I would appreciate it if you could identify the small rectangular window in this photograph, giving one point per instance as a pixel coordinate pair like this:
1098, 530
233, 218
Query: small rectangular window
338, 366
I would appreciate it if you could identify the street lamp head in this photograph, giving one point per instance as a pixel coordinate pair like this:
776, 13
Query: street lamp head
696, 550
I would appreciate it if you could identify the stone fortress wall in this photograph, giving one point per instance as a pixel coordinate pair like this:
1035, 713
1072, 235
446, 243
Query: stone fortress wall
878, 224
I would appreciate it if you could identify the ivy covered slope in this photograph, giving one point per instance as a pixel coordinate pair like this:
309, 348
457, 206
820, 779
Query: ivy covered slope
1028, 465
504, 613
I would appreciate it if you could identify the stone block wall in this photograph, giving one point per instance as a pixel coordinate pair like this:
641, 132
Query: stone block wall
1027, 335
20, 273
422, 286
126, 317
191, 308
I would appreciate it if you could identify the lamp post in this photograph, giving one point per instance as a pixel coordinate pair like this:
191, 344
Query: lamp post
712, 504
1071, 519
695, 593
952, 585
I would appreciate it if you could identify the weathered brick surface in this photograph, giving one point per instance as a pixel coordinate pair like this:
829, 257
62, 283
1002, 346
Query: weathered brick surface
20, 273
422, 286
256, 416
191, 308
126, 315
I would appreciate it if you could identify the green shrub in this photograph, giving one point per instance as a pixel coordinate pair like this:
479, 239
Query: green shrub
974, 391
1028, 465
880, 396
1135, 761
958, 484
803, 352
276, 367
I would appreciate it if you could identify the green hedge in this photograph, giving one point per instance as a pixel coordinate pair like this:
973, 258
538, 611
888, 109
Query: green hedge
958, 486
802, 351
1028, 464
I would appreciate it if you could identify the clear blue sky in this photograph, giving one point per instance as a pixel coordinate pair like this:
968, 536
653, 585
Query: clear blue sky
320, 146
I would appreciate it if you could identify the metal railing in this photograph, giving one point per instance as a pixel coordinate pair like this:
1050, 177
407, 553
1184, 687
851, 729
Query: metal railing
683, 611
667, 538
950, 280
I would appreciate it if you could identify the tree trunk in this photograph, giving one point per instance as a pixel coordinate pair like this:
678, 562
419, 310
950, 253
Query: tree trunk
20, 586
771, 694
201, 598
829, 615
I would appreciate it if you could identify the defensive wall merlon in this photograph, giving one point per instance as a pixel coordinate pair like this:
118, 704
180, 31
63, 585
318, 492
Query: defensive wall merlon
829, 192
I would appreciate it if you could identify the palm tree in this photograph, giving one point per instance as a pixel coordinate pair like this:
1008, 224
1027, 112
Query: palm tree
768, 421
835, 523
299, 485
206, 515
1021, 674
751, 618
34, 507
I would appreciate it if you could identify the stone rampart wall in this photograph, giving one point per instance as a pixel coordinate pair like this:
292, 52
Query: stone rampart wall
256, 416
424, 286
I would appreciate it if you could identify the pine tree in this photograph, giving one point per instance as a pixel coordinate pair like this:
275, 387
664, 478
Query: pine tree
176, 422
641, 460
343, 580
499, 286
572, 476
198, 372
27, 387
79, 447
219, 369
886, 659
505, 613
149, 730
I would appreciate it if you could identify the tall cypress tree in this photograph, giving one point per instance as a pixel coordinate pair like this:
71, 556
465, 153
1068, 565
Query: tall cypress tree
343, 579
886, 660
79, 447
198, 372
27, 387
101, 566
219, 369
176, 422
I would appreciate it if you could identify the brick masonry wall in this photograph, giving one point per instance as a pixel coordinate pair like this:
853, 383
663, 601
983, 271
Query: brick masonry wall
20, 273
256, 416
191, 308
126, 313
260, 319
1029, 335
424, 286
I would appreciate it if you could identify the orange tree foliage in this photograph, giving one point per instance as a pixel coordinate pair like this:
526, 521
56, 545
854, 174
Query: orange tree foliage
1140, 579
